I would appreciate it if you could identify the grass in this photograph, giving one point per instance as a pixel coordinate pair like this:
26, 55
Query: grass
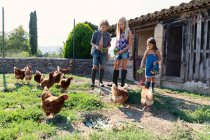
130, 133
21, 115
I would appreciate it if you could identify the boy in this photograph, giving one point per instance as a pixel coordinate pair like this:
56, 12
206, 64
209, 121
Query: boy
100, 44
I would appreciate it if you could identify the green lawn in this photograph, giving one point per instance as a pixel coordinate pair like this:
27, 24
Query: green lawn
21, 115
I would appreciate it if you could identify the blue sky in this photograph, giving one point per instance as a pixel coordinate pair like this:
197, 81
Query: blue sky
55, 17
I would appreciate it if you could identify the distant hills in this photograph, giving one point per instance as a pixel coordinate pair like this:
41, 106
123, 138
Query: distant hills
45, 49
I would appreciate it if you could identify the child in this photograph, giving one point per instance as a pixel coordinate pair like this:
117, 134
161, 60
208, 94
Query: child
100, 44
152, 57
123, 45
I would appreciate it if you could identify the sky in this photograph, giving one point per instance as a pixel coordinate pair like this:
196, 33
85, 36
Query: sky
55, 17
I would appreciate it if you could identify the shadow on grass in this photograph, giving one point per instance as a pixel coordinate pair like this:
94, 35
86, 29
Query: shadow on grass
62, 123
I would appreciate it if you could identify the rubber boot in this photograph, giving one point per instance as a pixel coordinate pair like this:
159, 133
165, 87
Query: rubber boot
114, 78
147, 85
153, 86
123, 77
101, 76
93, 77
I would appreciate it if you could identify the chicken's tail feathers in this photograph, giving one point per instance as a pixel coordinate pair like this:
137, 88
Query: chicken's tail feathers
58, 68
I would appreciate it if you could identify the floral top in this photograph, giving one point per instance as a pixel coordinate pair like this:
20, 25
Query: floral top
122, 42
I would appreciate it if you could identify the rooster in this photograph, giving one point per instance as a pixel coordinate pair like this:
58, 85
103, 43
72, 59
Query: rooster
147, 98
38, 77
52, 104
48, 82
28, 73
65, 71
119, 95
19, 74
65, 82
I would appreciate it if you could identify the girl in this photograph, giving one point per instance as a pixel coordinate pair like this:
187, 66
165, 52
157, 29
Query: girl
123, 44
152, 57
100, 44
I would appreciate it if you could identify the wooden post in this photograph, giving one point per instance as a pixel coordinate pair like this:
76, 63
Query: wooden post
198, 46
192, 41
205, 40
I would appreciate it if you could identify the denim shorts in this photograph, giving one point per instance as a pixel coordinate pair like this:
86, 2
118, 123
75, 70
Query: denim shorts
99, 59
124, 55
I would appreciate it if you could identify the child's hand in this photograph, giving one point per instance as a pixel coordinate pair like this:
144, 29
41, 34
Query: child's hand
142, 66
120, 52
155, 63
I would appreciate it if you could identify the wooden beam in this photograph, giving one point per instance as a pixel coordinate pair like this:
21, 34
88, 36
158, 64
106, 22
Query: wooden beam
198, 47
205, 40
182, 70
192, 39
187, 35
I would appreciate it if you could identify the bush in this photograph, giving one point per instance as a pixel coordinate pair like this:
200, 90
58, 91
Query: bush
83, 34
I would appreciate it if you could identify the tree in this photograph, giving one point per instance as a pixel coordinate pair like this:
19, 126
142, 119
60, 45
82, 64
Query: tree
33, 33
93, 26
17, 41
83, 34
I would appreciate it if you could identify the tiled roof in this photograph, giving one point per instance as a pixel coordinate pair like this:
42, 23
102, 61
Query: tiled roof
173, 10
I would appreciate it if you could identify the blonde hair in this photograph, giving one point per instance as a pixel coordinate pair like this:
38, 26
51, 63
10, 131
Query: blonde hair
118, 32
104, 22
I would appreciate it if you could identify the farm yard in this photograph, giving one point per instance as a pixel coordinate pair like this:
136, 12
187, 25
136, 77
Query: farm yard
90, 114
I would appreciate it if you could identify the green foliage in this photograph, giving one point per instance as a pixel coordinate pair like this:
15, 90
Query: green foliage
92, 26
33, 33
83, 34
17, 41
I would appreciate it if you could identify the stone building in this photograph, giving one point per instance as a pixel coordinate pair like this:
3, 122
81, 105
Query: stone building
183, 38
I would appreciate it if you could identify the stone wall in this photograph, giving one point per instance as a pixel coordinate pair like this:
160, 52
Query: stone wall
109, 70
45, 65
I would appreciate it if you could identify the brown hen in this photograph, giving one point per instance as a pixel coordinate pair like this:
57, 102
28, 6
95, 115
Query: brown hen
38, 77
48, 82
52, 104
119, 94
147, 98
19, 74
65, 82
28, 73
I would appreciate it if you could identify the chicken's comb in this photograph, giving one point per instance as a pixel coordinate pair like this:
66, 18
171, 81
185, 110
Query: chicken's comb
141, 83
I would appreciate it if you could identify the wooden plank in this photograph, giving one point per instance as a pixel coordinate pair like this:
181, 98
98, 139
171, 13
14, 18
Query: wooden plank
198, 47
165, 51
187, 36
192, 49
183, 66
205, 42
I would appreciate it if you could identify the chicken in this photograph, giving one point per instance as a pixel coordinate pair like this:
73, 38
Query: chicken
65, 71
19, 74
28, 73
65, 82
58, 76
38, 77
147, 98
119, 94
48, 82
52, 104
